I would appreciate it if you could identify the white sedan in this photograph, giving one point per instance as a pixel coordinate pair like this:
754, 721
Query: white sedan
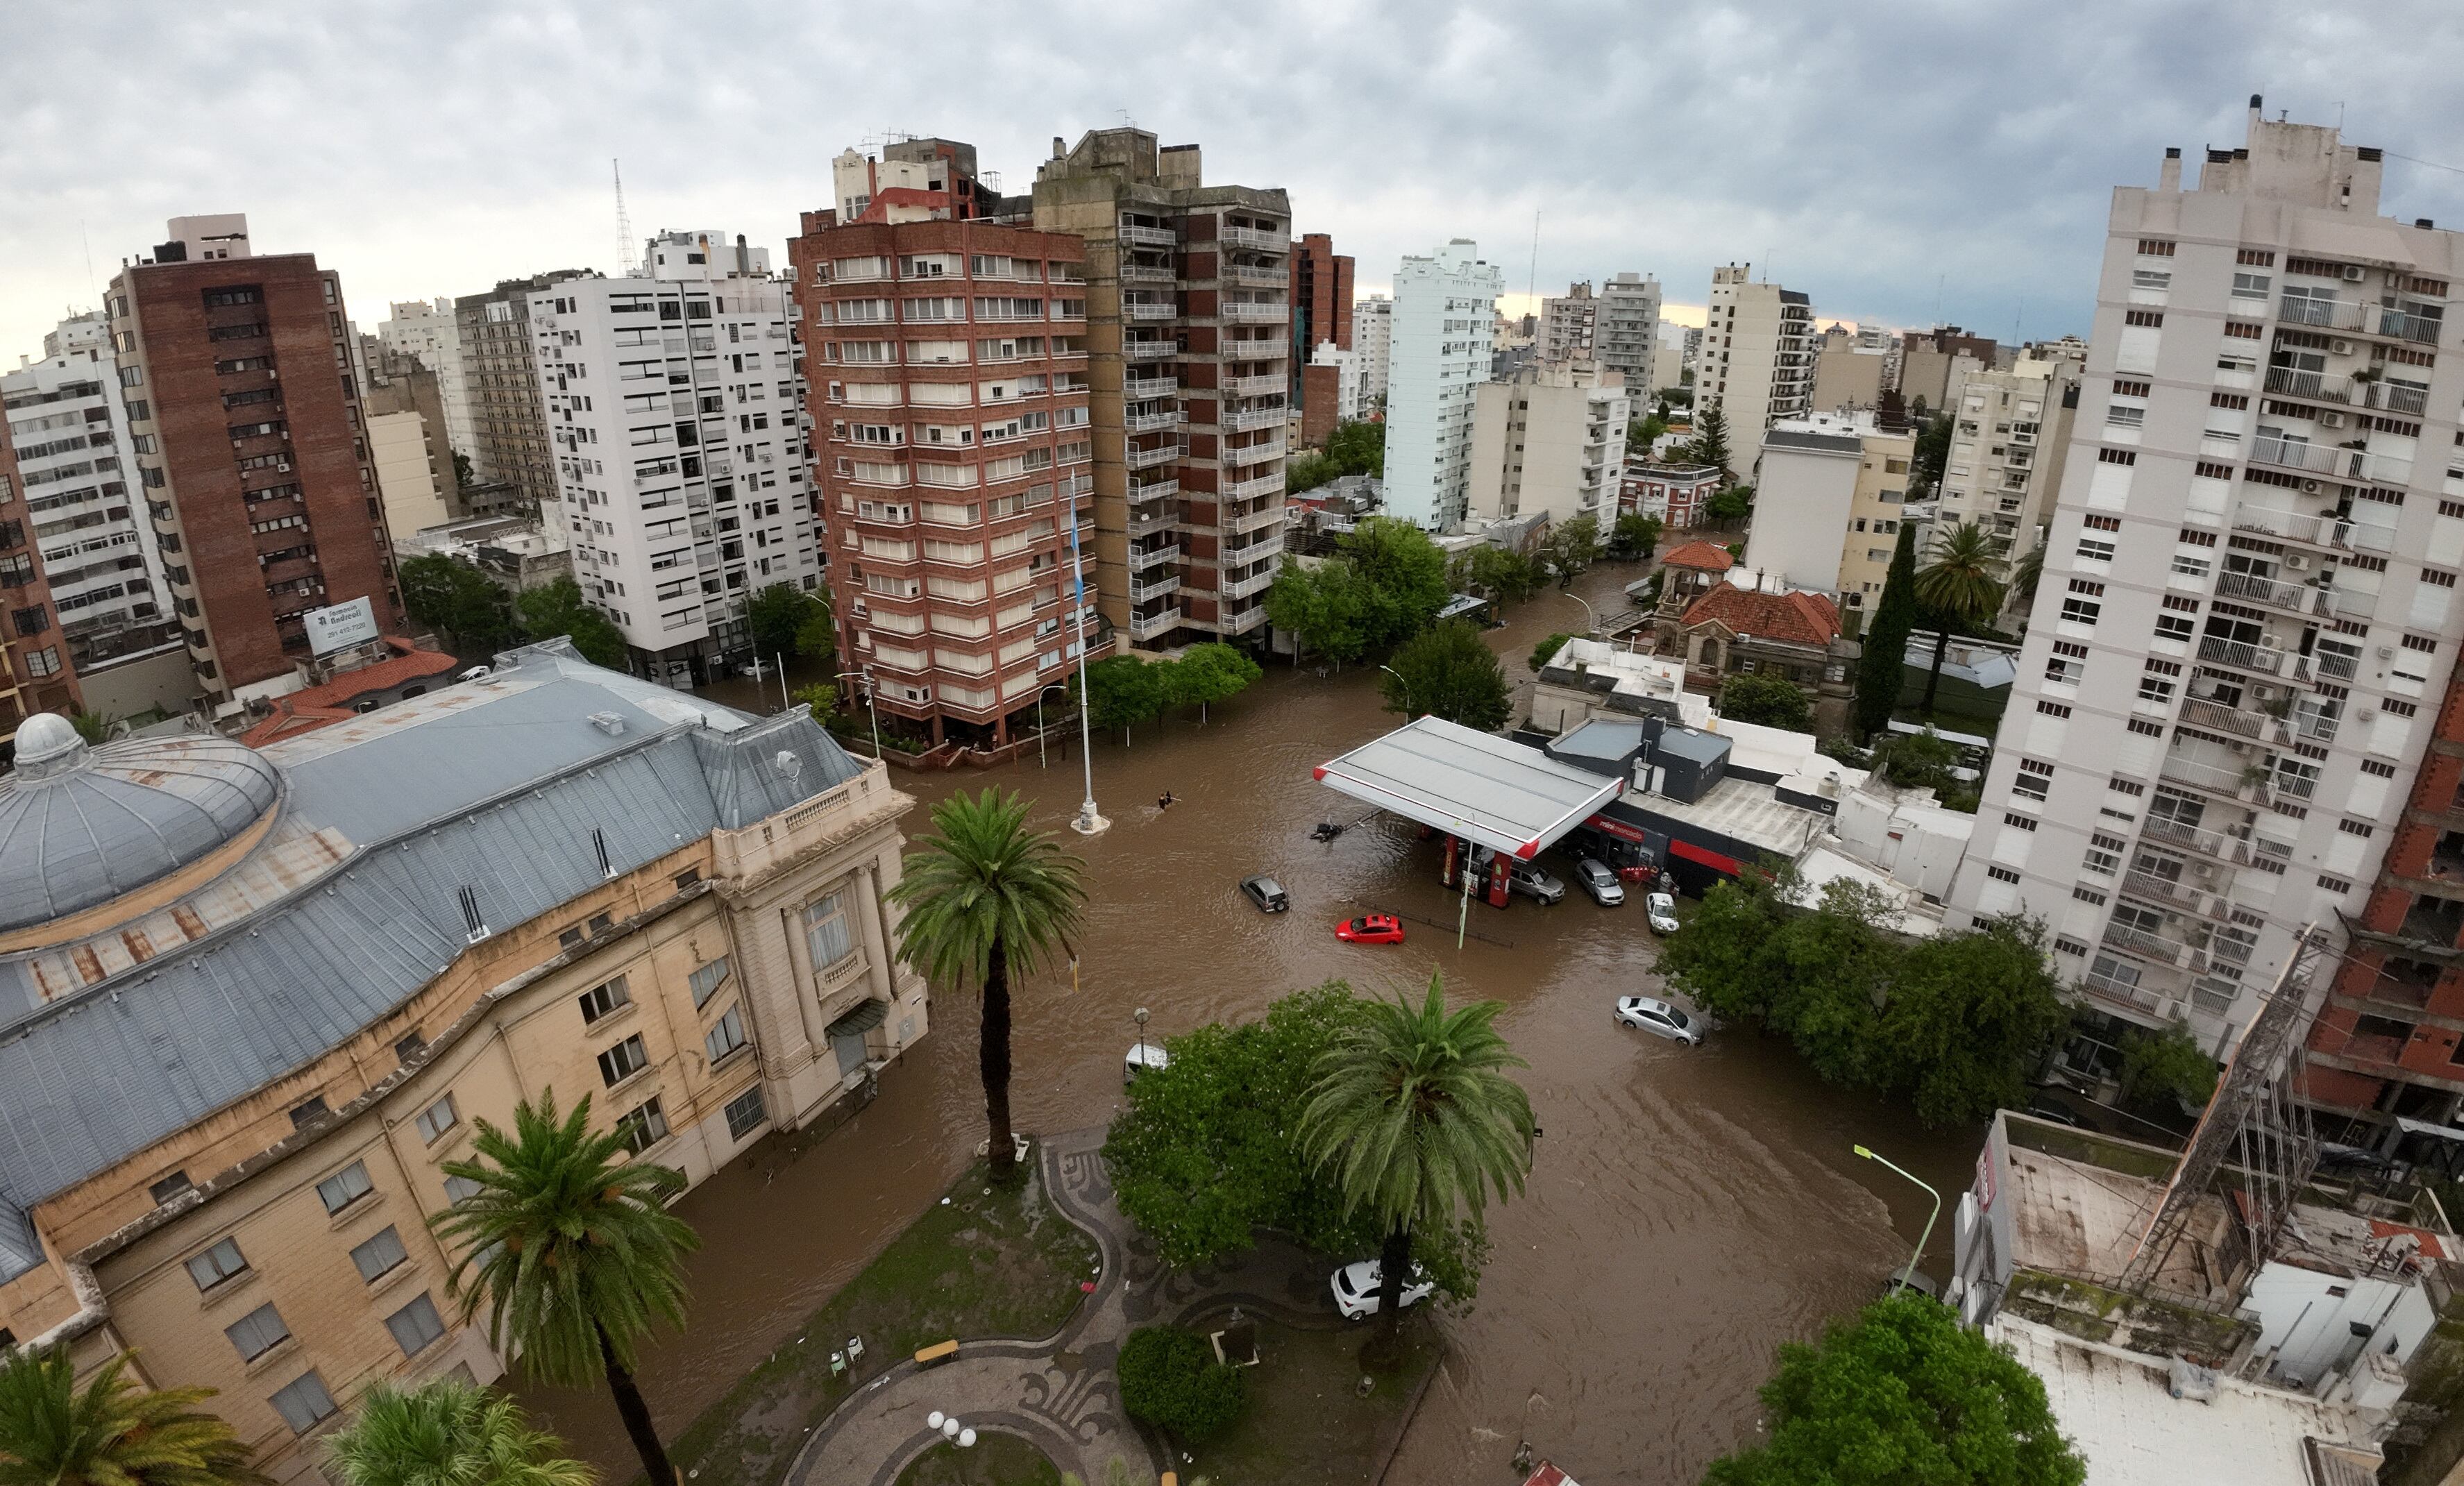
1661, 909
1356, 1289
1659, 1018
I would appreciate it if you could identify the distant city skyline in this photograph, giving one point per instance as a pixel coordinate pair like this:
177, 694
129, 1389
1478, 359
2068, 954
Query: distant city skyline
1957, 169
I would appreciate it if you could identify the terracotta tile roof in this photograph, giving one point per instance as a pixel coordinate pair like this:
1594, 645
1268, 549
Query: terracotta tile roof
1700, 555
1794, 617
312, 708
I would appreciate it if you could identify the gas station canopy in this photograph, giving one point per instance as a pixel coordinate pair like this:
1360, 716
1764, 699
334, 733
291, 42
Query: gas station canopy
1508, 797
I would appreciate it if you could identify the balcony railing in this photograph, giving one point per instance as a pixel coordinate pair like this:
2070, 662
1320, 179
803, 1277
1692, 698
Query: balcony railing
2323, 313
1249, 314
1242, 622
1253, 453
1149, 236
1149, 458
1146, 626
1253, 418
2316, 386
1244, 490
1142, 560
2122, 991
1148, 310
1144, 273
2155, 947
2265, 590
2394, 399
2211, 843
2319, 531
1141, 388
2239, 721
1243, 587
1256, 241
1257, 386
1254, 521
2261, 659
1142, 589
1153, 490
1264, 277
1150, 350
1151, 423
2172, 893
1147, 526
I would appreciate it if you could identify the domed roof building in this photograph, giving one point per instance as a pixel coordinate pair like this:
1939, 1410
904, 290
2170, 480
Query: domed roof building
81, 825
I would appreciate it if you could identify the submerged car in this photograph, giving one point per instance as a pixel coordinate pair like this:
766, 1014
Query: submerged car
1599, 882
1659, 1018
1266, 893
1356, 1289
1371, 928
1661, 909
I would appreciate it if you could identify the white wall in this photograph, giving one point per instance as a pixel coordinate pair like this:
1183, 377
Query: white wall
1802, 499
2309, 1330
1446, 313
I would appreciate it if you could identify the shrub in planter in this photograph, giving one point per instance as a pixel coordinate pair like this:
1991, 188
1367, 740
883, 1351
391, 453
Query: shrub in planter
1170, 1379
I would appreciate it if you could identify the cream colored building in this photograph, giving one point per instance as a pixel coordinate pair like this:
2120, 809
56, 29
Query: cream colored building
1757, 358
1830, 494
1553, 440
2009, 434
233, 1068
398, 445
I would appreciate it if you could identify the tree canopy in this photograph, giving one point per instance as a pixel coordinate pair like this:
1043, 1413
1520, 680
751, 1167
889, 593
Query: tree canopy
1636, 535
1573, 545
112, 1432
1384, 585
1208, 673
452, 596
1548, 649
1353, 447
1501, 573
782, 620
442, 1431
558, 608
1734, 504
1771, 701
1881, 668
1709, 444
1932, 451
1904, 1393
1960, 583
1448, 671
1123, 690
2164, 1071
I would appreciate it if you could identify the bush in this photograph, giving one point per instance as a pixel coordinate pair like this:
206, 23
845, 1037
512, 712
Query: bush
1170, 1379
1546, 649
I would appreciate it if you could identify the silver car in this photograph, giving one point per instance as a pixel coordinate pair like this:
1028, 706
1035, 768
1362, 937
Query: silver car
1599, 882
1659, 1018
1534, 883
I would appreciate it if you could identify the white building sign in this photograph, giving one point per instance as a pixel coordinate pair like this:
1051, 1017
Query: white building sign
341, 627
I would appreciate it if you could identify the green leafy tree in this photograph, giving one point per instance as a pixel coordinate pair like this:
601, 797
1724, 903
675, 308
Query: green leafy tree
567, 1243
111, 1431
1404, 574
1501, 573
1413, 1114
1211, 672
444, 1433
1916, 760
775, 618
1358, 447
1325, 608
556, 608
1839, 962
1548, 649
1902, 1394
988, 901
1881, 668
1123, 690
1572, 546
1448, 671
1771, 701
1171, 1379
1710, 443
2164, 1071
454, 596
92, 726
1961, 581
1970, 1016
1309, 471
824, 699
1636, 536
1731, 505
1729, 956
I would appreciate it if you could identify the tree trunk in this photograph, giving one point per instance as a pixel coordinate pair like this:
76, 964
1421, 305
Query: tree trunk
993, 1059
1933, 677
1394, 1264
635, 1413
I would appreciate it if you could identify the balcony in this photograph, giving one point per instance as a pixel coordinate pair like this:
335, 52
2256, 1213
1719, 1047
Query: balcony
1147, 526
1162, 621
1266, 544
2239, 721
2156, 946
1153, 490
1257, 386
2336, 464
2232, 850
1140, 389
1148, 310
1262, 277
2254, 658
2172, 892
2395, 400
1150, 350
1149, 236
1142, 560
1246, 490
1252, 314
2321, 313
1255, 240
1253, 453
1253, 418
1151, 423
2319, 531
2295, 596
2315, 387
1242, 622
1149, 458
1252, 522
2124, 991
1148, 273
1243, 587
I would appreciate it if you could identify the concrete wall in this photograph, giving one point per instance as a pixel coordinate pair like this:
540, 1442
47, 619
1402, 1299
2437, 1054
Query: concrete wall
161, 680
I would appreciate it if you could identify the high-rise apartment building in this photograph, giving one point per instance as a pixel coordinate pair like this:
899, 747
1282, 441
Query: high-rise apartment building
671, 403
1372, 336
36, 672
1569, 326
1551, 440
2230, 679
1830, 493
70, 430
1445, 315
508, 443
1189, 344
2010, 440
1626, 332
947, 364
1321, 297
1756, 365
250, 451
430, 332
404, 407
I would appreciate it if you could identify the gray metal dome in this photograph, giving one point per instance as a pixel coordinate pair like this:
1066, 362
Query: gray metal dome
80, 825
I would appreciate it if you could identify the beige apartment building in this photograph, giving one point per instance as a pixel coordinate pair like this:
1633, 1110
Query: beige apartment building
1551, 440
1757, 360
253, 1007
2010, 433
1830, 496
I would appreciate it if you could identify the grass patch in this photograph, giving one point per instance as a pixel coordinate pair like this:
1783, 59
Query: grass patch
996, 1460
1305, 1426
1002, 1262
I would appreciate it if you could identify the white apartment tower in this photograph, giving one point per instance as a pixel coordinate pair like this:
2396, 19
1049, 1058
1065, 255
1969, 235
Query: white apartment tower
2009, 440
2249, 603
674, 402
1445, 313
1626, 332
1757, 360
1373, 338
428, 332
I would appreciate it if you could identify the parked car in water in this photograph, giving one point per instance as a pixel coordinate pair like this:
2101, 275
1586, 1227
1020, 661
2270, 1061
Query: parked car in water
1534, 883
1599, 882
1356, 1289
1661, 909
1266, 893
1659, 1018
1143, 1055
1371, 928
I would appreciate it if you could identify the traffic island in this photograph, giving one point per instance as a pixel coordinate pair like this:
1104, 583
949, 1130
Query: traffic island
1306, 1422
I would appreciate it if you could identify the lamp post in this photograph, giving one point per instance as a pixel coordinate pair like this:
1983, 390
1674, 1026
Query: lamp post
1090, 820
864, 674
1140, 1017
1591, 621
1040, 762
1405, 685
1927, 1235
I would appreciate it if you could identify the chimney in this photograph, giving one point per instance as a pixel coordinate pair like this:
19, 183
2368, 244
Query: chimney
2256, 117
2423, 222
1057, 151
2169, 175
743, 256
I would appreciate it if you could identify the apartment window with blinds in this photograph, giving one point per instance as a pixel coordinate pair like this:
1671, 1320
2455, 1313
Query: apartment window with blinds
826, 931
707, 980
726, 1036
416, 1327
257, 1333
344, 1187
379, 1255
305, 1403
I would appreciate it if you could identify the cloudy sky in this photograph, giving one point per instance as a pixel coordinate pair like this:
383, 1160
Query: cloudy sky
1898, 162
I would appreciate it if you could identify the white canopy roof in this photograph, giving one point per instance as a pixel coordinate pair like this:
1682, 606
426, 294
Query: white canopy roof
1504, 796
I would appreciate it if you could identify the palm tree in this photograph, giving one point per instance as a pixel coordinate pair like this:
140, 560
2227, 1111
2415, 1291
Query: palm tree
987, 899
1961, 581
2027, 573
448, 1433
569, 1245
110, 1432
1413, 1113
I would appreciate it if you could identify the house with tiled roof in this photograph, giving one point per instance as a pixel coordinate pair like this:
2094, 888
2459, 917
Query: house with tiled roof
1748, 622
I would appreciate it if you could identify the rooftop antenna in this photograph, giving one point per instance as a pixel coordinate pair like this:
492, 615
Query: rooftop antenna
624, 223
1531, 285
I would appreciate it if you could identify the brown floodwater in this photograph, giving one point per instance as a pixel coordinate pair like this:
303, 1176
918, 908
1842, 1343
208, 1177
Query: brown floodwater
1688, 1209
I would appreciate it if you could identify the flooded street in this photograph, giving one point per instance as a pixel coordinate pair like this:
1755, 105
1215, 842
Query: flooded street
1688, 1211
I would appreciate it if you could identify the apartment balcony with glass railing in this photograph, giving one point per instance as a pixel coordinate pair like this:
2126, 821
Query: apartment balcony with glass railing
2240, 784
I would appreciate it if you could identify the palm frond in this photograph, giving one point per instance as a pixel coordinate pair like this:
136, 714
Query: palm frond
448, 1433
110, 1432
980, 880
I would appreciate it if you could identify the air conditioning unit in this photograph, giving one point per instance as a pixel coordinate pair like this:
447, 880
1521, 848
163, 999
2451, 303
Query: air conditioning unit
2353, 272
2296, 562
2205, 871
2366, 714
2340, 347
2331, 420
2309, 486
2386, 652
282, 466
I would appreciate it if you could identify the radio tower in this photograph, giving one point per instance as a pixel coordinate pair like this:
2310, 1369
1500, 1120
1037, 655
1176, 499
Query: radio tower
624, 223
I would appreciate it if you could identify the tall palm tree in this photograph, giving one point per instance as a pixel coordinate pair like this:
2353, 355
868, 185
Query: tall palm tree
987, 899
570, 1246
2027, 573
1960, 580
1413, 1113
448, 1433
110, 1432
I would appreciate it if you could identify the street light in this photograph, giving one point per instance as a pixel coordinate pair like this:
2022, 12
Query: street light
1591, 621
1140, 1017
1090, 820
1921, 1238
864, 674
1039, 722
1407, 690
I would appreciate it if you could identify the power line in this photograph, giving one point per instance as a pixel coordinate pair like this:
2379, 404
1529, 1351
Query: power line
2418, 161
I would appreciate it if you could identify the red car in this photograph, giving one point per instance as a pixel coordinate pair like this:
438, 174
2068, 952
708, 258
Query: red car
1371, 928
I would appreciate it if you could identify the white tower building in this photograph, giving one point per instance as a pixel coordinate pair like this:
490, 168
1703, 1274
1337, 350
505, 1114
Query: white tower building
1445, 315
427, 332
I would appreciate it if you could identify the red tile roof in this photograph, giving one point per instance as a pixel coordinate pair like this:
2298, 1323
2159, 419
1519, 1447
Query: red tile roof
310, 707
1794, 617
1700, 555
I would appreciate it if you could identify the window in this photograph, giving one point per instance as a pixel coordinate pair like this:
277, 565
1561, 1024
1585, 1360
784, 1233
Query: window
2336, 884
344, 1187
2088, 895
2080, 611
2117, 456
169, 1186
457, 1188
642, 1128
2155, 248
622, 1060
707, 980
602, 1001
745, 1113
223, 1261
2030, 786
2122, 786
2100, 862
2191, 565
2053, 709
2095, 549
826, 929
410, 1046
2001, 874
2174, 627
416, 1327
2128, 386
2148, 317
2123, 415
379, 1255
304, 1404
309, 1113
437, 1118
257, 1333
2023, 822
727, 1035
2361, 828
2069, 946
